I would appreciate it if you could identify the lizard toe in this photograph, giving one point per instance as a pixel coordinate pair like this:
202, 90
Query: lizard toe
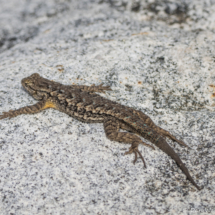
136, 151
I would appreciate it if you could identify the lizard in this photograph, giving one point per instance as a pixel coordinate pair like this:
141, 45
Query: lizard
83, 103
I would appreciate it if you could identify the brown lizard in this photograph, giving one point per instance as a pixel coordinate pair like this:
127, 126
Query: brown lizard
80, 102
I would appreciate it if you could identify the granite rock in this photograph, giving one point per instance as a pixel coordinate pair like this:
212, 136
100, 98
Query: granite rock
157, 56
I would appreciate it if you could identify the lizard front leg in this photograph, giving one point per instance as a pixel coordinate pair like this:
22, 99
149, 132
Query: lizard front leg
39, 106
112, 125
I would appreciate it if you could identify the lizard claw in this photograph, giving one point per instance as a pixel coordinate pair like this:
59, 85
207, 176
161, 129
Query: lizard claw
100, 88
5, 115
103, 88
135, 150
182, 143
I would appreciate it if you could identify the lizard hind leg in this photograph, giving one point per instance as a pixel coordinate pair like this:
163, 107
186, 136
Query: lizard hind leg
167, 134
112, 125
158, 129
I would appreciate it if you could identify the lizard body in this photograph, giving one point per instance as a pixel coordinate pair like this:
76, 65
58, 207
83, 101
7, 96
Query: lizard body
82, 103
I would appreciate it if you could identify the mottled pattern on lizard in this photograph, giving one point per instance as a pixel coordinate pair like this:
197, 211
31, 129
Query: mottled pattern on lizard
82, 103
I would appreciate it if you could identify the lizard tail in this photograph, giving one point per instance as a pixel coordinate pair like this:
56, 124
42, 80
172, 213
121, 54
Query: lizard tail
163, 145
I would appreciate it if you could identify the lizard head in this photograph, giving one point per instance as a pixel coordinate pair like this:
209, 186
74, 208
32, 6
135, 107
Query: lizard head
37, 86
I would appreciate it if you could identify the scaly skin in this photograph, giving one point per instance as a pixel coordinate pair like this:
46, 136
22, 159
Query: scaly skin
83, 104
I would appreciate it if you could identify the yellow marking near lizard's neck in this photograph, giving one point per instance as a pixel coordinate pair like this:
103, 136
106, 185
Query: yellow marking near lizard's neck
49, 104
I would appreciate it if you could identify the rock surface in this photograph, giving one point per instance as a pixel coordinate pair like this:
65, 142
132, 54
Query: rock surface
157, 56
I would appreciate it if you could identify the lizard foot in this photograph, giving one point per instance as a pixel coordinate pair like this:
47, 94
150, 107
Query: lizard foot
6, 115
100, 88
182, 143
135, 150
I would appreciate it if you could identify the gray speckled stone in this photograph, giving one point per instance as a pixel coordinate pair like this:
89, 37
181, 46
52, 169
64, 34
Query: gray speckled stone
158, 57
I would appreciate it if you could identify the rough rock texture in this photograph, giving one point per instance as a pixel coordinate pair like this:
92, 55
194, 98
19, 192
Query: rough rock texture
158, 57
